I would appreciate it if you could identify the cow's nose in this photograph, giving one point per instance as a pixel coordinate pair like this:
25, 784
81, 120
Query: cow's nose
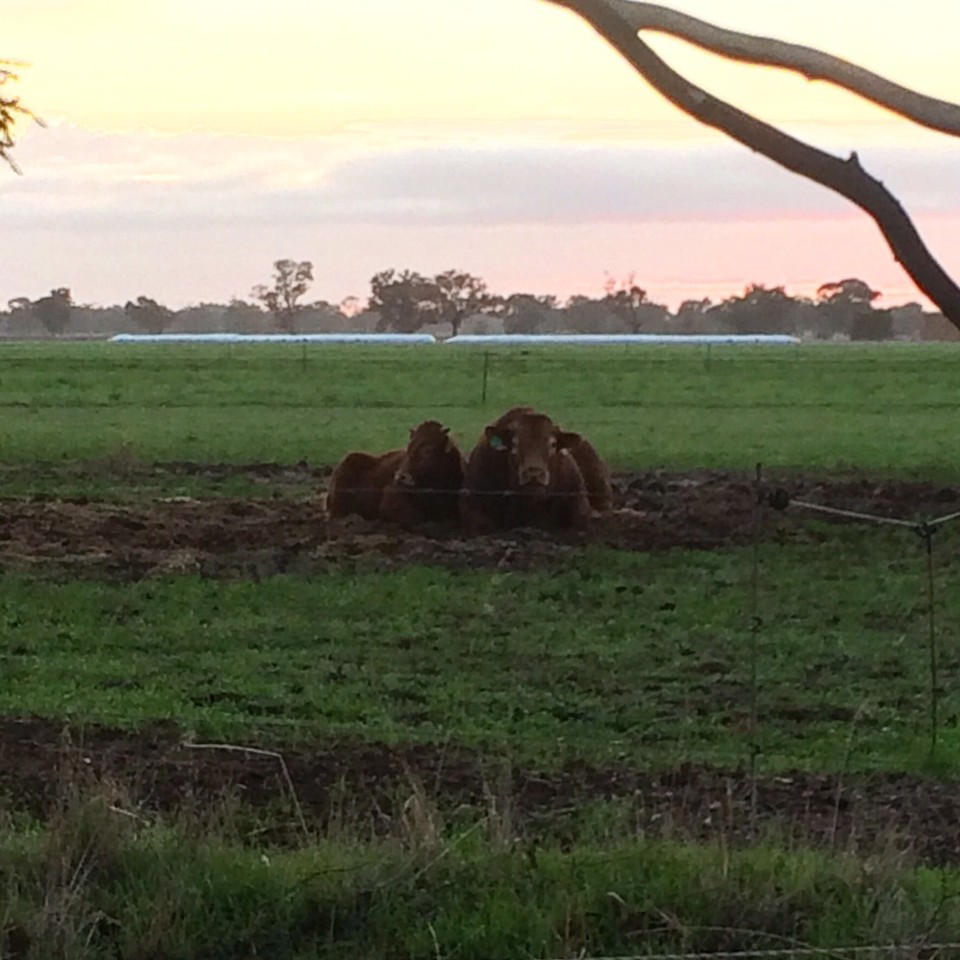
404, 479
537, 475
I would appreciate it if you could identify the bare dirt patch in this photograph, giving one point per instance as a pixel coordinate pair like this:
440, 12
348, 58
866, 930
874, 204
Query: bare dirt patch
363, 785
255, 538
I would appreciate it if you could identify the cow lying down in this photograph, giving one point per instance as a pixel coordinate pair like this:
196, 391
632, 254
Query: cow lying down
525, 472
426, 484
411, 486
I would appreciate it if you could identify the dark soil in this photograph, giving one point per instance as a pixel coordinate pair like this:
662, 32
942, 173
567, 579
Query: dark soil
364, 787
260, 537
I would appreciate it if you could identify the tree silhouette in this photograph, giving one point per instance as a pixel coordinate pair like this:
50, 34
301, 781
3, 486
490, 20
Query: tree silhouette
351, 306
10, 109
690, 315
628, 301
761, 309
619, 21
405, 301
847, 291
849, 306
54, 311
525, 312
148, 315
460, 295
290, 282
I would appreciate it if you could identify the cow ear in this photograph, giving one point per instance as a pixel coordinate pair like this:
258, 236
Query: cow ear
566, 439
448, 446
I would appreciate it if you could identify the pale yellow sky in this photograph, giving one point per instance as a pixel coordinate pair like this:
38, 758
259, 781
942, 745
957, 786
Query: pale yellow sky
313, 67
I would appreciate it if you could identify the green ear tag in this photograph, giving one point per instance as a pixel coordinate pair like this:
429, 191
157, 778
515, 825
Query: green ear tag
496, 442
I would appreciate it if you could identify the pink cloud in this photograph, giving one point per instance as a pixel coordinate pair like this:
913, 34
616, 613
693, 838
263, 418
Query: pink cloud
202, 218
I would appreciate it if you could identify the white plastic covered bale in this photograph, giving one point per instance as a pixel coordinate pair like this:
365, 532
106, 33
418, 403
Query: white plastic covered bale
371, 338
639, 339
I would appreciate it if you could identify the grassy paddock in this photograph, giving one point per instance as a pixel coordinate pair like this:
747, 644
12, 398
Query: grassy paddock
889, 408
616, 658
627, 657
95, 884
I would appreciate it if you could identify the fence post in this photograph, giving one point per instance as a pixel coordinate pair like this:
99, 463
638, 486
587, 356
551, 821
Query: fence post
486, 376
756, 625
927, 532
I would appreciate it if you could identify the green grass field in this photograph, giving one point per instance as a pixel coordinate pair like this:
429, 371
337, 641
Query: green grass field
610, 658
889, 408
628, 658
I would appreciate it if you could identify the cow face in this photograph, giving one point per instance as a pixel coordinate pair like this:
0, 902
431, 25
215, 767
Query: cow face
429, 445
532, 442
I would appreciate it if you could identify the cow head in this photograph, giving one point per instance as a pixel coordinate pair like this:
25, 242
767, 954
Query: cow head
429, 446
531, 441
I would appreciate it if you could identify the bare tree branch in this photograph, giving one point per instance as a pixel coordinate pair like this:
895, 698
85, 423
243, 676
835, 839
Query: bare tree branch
845, 177
10, 109
813, 64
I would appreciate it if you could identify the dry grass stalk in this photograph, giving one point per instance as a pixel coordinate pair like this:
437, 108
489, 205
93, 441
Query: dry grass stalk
259, 752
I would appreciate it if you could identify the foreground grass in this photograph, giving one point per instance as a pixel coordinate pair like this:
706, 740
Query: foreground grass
95, 883
627, 657
889, 407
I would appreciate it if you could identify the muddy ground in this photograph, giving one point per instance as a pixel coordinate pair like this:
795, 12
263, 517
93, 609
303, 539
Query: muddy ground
364, 788
254, 538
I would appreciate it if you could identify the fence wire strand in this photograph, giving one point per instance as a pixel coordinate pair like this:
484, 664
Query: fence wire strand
866, 517
929, 951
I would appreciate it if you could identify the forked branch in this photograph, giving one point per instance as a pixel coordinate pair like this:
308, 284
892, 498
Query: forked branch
845, 177
813, 64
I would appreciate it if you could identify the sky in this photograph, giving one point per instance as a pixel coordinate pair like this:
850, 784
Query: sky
189, 145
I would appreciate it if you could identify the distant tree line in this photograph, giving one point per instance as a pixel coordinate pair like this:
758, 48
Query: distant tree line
456, 301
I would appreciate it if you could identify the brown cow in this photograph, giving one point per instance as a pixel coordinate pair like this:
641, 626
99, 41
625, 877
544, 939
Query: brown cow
358, 483
596, 474
426, 483
521, 474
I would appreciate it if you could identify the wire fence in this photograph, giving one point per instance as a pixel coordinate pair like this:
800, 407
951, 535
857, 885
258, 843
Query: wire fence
914, 951
481, 379
925, 530
329, 377
925, 611
921, 539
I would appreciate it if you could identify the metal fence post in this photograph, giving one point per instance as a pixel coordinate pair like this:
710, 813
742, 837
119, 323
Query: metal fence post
926, 532
756, 625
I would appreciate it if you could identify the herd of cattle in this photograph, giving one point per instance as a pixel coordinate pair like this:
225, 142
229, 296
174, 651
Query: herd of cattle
525, 471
